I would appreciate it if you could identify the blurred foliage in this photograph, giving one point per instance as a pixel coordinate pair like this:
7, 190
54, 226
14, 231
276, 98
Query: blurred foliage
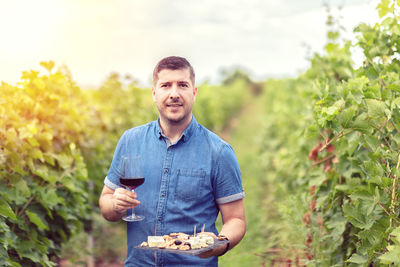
343, 167
283, 156
43, 177
114, 108
217, 104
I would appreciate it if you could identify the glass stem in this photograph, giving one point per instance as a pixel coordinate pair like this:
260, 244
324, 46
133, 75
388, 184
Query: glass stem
133, 209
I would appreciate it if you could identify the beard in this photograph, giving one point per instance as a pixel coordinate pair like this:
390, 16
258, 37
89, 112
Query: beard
175, 112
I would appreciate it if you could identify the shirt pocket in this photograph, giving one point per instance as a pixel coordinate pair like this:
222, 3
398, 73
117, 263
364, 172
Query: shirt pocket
189, 184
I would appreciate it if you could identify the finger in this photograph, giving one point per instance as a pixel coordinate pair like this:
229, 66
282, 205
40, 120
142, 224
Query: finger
125, 198
132, 194
128, 202
126, 192
120, 190
122, 207
132, 203
123, 202
124, 195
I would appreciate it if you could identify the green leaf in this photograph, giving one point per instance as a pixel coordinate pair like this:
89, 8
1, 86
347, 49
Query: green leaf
336, 224
396, 232
392, 256
50, 197
33, 142
376, 108
372, 73
6, 210
356, 88
35, 219
26, 249
41, 170
372, 237
49, 158
344, 188
48, 65
360, 124
345, 117
24, 132
11, 134
384, 8
394, 87
12, 194
362, 195
13, 263
69, 183
387, 21
22, 188
357, 216
396, 102
35, 153
359, 259
372, 141
64, 160
373, 170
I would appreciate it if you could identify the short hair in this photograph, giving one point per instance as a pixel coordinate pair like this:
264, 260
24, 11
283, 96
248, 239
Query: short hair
173, 63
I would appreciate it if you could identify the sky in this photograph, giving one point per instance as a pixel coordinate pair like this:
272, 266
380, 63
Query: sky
267, 38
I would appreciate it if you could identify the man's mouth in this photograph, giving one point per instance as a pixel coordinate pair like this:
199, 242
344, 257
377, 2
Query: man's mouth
174, 105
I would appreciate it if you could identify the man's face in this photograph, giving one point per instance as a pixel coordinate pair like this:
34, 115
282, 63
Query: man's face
174, 95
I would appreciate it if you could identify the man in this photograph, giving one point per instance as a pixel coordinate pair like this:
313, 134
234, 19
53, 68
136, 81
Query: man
190, 175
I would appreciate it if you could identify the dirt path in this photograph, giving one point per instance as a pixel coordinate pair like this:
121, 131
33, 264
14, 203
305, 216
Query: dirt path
243, 133
232, 125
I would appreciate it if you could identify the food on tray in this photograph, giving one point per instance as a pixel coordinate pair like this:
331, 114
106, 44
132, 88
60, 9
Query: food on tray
155, 241
179, 241
205, 238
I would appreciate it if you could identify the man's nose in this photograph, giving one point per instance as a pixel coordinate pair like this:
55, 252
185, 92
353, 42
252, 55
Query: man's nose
174, 92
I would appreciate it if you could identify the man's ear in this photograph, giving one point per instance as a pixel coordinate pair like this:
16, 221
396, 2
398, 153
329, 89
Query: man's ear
195, 93
153, 93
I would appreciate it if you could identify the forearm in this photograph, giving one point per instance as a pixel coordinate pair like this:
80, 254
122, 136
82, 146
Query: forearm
106, 204
234, 230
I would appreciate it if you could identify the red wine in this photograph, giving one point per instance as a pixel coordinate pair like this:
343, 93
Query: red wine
131, 182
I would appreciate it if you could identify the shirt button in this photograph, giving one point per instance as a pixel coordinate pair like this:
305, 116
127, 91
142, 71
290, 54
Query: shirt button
163, 194
165, 170
159, 219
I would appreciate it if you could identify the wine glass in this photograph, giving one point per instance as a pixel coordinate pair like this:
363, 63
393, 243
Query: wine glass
131, 177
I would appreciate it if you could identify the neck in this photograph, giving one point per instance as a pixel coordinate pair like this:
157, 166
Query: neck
174, 130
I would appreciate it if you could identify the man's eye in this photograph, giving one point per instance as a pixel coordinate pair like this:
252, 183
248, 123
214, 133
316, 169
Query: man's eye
164, 85
183, 85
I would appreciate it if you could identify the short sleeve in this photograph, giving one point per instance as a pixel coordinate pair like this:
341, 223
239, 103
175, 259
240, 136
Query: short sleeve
112, 178
227, 177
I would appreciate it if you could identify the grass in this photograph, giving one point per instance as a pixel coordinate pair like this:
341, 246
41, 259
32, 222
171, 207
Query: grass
244, 139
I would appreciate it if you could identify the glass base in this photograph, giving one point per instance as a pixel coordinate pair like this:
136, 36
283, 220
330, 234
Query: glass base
133, 218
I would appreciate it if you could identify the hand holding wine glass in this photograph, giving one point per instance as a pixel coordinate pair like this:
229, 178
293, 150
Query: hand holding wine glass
131, 177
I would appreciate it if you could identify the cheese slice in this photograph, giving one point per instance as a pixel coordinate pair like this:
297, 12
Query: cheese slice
194, 242
205, 239
209, 240
155, 241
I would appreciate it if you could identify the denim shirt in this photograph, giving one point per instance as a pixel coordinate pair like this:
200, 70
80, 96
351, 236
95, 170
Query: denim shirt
184, 183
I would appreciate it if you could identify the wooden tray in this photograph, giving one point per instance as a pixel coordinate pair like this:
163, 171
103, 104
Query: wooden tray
193, 252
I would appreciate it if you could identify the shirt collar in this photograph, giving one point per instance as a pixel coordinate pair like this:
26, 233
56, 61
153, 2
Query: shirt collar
189, 131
